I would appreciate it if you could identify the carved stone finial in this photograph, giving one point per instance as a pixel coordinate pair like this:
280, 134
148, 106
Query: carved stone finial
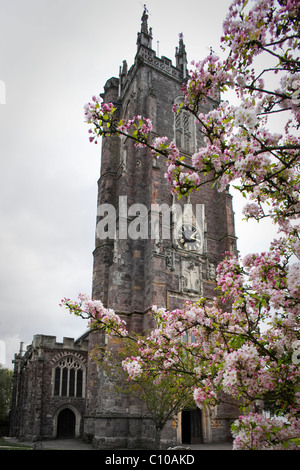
181, 58
144, 28
181, 44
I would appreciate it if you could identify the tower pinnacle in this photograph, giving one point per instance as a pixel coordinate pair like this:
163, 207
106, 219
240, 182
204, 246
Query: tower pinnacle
144, 28
145, 36
181, 57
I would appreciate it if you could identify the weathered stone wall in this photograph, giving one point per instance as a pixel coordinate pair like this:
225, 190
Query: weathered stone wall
35, 408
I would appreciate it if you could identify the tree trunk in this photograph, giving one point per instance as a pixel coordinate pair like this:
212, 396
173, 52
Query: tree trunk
157, 438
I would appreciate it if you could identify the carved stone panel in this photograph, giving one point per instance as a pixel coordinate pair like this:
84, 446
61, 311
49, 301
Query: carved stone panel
191, 277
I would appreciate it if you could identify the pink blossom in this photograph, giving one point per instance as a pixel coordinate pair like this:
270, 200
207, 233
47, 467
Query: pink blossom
133, 367
256, 432
293, 280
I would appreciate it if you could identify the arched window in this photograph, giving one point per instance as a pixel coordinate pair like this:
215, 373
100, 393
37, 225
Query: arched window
184, 130
68, 377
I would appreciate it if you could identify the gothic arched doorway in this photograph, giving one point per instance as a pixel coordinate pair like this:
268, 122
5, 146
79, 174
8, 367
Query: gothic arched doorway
66, 424
191, 427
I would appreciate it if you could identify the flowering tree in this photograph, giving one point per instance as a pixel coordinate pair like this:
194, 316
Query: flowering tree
250, 350
164, 395
165, 392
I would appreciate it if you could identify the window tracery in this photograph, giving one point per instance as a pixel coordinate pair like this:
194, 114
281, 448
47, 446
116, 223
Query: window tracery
68, 377
184, 130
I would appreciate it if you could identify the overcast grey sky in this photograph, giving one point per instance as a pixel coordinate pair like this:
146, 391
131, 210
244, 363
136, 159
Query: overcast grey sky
54, 55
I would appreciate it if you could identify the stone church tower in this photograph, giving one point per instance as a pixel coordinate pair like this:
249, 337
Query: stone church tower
132, 273
59, 389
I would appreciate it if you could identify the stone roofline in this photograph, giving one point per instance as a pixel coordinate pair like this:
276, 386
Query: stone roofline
49, 342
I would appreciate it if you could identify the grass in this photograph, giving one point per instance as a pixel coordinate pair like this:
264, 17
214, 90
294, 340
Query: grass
7, 445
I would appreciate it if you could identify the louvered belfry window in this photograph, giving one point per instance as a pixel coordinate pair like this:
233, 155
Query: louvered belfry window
184, 131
